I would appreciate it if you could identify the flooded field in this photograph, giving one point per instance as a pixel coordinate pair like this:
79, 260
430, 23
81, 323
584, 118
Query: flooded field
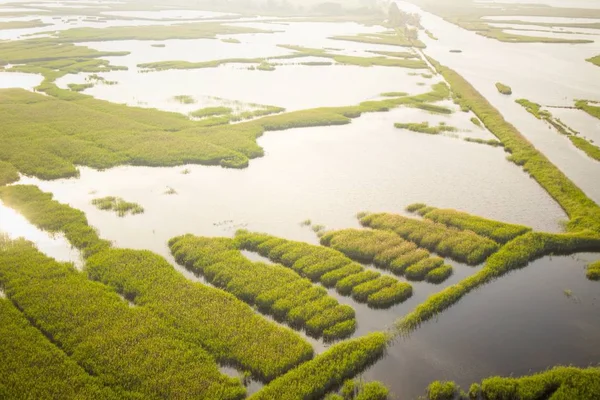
333, 153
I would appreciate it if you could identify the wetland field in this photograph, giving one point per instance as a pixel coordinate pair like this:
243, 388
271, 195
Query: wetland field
363, 199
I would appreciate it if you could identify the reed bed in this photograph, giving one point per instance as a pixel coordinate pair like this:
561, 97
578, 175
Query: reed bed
228, 328
460, 245
118, 205
274, 289
327, 371
32, 364
330, 267
109, 339
500, 232
384, 249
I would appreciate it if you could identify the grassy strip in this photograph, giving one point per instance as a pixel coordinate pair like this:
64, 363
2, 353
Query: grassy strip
398, 54
476, 122
123, 347
503, 89
385, 250
554, 384
500, 232
32, 367
22, 24
425, 128
230, 330
44, 50
460, 245
584, 145
211, 112
533, 108
328, 266
593, 271
327, 371
118, 205
8, 173
80, 87
50, 215
184, 99
582, 211
515, 254
594, 60
489, 142
46, 136
398, 37
272, 288
202, 30
585, 105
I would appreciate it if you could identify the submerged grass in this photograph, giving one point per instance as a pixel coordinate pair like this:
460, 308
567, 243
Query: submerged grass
424, 127
460, 245
274, 289
228, 328
103, 334
327, 371
500, 232
118, 205
330, 267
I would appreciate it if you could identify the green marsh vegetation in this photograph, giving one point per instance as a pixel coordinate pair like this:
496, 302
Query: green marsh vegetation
158, 45
355, 389
397, 37
37, 23
118, 205
424, 127
460, 245
593, 271
32, 364
228, 328
503, 89
80, 87
398, 54
534, 108
327, 371
594, 60
587, 106
104, 335
554, 384
231, 40
211, 112
431, 35
476, 122
274, 289
8, 173
500, 232
329, 267
184, 99
387, 250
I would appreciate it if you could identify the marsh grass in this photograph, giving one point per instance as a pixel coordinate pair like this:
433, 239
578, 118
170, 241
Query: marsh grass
424, 127
272, 288
476, 122
330, 267
503, 89
593, 271
586, 106
594, 60
488, 142
80, 87
327, 371
158, 45
533, 108
170, 191
8, 173
231, 40
356, 389
118, 205
397, 37
211, 112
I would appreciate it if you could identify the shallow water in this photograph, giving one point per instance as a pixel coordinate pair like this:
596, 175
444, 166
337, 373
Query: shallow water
558, 20
167, 14
512, 326
53, 245
585, 124
19, 80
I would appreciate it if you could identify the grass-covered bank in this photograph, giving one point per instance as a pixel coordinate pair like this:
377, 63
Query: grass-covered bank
557, 383
272, 288
594, 60
593, 271
329, 267
33, 367
503, 89
103, 334
583, 212
228, 328
327, 371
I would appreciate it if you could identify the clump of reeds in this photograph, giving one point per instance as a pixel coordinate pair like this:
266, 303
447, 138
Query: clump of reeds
118, 205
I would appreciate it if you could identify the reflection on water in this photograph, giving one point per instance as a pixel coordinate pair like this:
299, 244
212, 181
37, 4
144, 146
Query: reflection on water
53, 245
520, 323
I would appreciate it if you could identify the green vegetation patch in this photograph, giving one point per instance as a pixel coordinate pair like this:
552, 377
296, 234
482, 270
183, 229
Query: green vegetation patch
32, 363
44, 50
585, 105
488, 142
327, 371
593, 271
211, 112
440, 274
274, 289
103, 334
424, 127
398, 54
460, 245
476, 122
533, 108
48, 214
80, 87
398, 37
184, 99
354, 389
594, 60
8, 173
118, 205
37, 23
554, 384
231, 40
328, 266
503, 89
500, 232
228, 328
